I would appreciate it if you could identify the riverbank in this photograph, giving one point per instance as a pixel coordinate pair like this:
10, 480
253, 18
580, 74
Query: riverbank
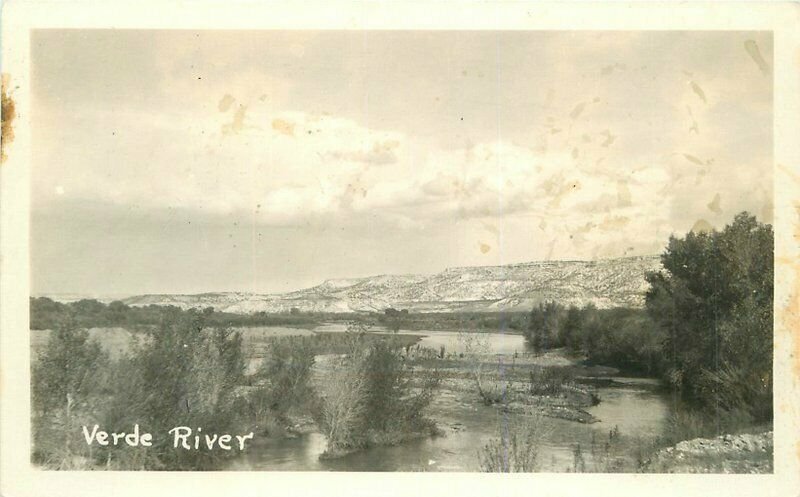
579, 405
746, 453
564, 404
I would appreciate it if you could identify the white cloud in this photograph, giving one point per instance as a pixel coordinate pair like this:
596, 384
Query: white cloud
569, 157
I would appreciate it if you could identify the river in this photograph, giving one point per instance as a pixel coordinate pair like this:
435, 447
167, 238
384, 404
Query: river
633, 406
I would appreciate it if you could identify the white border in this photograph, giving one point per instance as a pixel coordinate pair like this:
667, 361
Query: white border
18, 478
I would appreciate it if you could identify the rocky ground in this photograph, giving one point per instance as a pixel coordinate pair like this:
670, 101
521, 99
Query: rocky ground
743, 453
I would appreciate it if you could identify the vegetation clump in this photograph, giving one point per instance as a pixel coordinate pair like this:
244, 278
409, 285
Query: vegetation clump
372, 398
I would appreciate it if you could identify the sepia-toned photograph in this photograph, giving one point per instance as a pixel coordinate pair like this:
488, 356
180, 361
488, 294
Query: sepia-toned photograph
390, 249
471, 251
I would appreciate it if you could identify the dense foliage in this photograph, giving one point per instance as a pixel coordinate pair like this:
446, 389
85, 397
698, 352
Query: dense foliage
714, 302
372, 397
706, 326
187, 372
621, 337
464, 321
67, 381
46, 314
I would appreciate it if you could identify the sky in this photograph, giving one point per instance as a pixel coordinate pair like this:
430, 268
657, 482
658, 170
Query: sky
268, 161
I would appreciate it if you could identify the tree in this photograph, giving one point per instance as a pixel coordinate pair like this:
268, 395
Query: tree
476, 351
571, 328
287, 372
714, 301
371, 398
184, 374
46, 313
65, 379
543, 326
117, 313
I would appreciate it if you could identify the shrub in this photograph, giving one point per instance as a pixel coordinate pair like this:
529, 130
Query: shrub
286, 371
339, 410
605, 455
185, 374
67, 384
544, 326
372, 398
549, 380
517, 448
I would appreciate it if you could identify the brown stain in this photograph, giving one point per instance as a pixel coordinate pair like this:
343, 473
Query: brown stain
225, 103
767, 211
702, 226
698, 91
560, 191
791, 316
484, 248
609, 139
791, 174
612, 223
385, 146
283, 126
623, 194
692, 158
577, 111
354, 190
491, 228
694, 127
8, 112
237, 125
753, 51
713, 206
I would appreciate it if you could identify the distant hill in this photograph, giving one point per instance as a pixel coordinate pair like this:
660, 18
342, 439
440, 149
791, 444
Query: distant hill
514, 287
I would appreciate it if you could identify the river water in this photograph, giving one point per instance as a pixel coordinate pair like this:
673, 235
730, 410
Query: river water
633, 406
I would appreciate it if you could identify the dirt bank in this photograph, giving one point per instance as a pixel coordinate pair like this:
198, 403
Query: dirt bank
744, 453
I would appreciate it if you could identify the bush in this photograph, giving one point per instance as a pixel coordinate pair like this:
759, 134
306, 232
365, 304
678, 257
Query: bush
372, 398
185, 374
549, 380
491, 390
606, 454
624, 338
545, 326
67, 385
286, 371
517, 448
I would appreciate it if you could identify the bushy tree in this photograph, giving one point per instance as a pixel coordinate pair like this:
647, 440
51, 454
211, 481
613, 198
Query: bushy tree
544, 326
184, 374
371, 398
46, 313
66, 382
285, 375
714, 301
571, 328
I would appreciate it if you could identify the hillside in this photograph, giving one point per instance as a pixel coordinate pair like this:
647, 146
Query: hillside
605, 283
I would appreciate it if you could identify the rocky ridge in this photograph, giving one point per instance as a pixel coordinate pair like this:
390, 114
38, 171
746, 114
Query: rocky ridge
515, 287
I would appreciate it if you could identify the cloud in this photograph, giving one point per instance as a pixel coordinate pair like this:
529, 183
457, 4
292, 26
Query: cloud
597, 143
